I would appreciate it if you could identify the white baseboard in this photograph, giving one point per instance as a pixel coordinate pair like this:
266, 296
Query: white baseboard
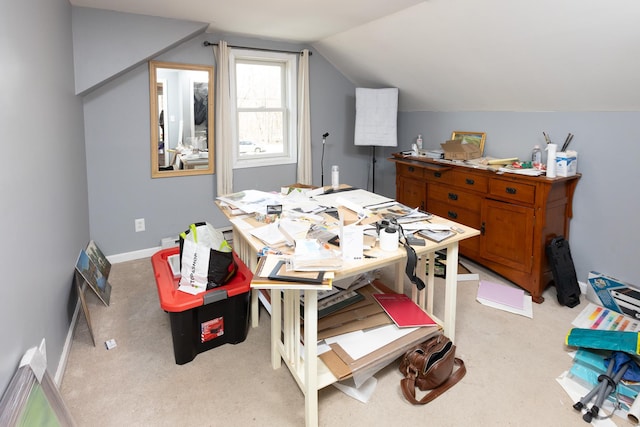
146, 253
64, 357
130, 256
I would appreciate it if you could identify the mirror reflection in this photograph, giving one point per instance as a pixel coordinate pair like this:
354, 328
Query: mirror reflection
181, 101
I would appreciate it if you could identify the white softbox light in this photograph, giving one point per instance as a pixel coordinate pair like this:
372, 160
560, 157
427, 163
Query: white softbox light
376, 117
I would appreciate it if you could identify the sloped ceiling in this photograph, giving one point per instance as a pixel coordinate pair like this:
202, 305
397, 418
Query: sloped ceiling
449, 55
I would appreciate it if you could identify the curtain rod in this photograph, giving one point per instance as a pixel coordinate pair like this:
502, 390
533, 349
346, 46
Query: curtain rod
207, 43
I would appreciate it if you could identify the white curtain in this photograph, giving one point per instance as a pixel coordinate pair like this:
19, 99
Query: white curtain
224, 141
304, 172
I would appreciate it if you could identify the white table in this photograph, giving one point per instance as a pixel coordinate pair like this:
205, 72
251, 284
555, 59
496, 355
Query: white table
310, 373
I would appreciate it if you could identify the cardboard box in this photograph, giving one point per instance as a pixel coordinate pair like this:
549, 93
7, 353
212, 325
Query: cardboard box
566, 163
613, 294
456, 150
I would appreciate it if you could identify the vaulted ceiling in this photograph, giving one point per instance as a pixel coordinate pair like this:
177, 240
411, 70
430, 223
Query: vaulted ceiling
449, 55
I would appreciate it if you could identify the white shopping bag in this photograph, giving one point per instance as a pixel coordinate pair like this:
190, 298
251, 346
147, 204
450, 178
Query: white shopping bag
206, 259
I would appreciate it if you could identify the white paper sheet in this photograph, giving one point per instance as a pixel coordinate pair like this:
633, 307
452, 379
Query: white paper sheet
527, 311
362, 393
362, 344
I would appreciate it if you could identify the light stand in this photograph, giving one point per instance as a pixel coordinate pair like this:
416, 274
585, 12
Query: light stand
373, 166
324, 139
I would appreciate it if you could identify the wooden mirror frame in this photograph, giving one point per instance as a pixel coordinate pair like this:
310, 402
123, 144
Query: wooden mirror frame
155, 125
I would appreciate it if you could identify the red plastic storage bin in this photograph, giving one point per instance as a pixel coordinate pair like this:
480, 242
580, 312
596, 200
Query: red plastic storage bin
207, 320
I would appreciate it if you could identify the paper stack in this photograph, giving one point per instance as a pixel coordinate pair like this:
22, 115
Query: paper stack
504, 297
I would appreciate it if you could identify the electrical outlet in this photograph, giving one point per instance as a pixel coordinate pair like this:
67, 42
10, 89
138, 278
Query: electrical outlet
139, 224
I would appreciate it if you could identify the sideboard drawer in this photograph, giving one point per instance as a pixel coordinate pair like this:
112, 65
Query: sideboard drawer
470, 181
516, 191
455, 197
409, 171
444, 176
454, 213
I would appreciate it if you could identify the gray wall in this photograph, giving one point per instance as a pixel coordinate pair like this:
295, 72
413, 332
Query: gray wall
137, 38
44, 215
118, 153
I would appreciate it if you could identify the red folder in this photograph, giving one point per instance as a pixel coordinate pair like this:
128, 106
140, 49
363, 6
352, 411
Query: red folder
403, 311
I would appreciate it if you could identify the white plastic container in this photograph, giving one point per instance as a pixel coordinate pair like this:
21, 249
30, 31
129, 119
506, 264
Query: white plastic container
551, 160
335, 177
389, 239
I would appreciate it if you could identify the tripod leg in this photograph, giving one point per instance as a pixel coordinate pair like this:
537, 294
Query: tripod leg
608, 390
587, 398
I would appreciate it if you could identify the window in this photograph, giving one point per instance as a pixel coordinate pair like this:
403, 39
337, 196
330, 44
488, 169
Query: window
264, 98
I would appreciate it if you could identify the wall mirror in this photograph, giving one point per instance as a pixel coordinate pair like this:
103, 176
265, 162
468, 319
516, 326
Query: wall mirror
181, 105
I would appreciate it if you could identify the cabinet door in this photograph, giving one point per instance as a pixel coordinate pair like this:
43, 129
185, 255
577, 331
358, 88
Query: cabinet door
508, 234
411, 192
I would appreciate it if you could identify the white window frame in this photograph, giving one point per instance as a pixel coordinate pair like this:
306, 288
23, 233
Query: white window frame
290, 96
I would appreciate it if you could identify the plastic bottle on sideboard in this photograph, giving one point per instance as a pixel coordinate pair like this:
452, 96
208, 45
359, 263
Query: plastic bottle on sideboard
419, 142
536, 155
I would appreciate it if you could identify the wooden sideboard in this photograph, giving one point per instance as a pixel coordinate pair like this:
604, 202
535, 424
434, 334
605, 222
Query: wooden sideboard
517, 215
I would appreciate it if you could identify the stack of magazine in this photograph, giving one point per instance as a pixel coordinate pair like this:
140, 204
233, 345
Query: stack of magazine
436, 235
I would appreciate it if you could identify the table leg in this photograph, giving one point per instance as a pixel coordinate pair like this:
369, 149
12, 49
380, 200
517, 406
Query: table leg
421, 272
399, 277
311, 358
276, 315
250, 258
255, 308
431, 280
451, 290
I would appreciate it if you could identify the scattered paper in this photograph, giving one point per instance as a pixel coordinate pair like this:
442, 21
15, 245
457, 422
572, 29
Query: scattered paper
362, 393
597, 317
508, 299
501, 294
359, 345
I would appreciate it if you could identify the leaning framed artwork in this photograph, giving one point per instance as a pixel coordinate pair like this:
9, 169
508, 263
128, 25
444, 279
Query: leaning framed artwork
475, 138
94, 278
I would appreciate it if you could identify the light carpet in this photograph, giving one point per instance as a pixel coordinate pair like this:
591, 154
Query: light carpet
512, 364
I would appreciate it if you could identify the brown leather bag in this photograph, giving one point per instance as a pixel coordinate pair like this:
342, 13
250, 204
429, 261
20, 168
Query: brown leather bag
429, 366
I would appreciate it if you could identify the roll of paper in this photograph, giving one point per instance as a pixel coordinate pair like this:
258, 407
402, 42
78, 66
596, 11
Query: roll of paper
551, 160
634, 412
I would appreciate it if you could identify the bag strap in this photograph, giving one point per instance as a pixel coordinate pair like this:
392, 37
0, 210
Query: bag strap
410, 270
408, 385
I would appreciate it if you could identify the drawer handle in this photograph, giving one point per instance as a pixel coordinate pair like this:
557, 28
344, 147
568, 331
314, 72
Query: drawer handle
511, 190
470, 181
412, 169
437, 174
453, 196
452, 215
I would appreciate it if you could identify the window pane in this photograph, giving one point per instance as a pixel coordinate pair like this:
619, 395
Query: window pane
260, 132
259, 85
